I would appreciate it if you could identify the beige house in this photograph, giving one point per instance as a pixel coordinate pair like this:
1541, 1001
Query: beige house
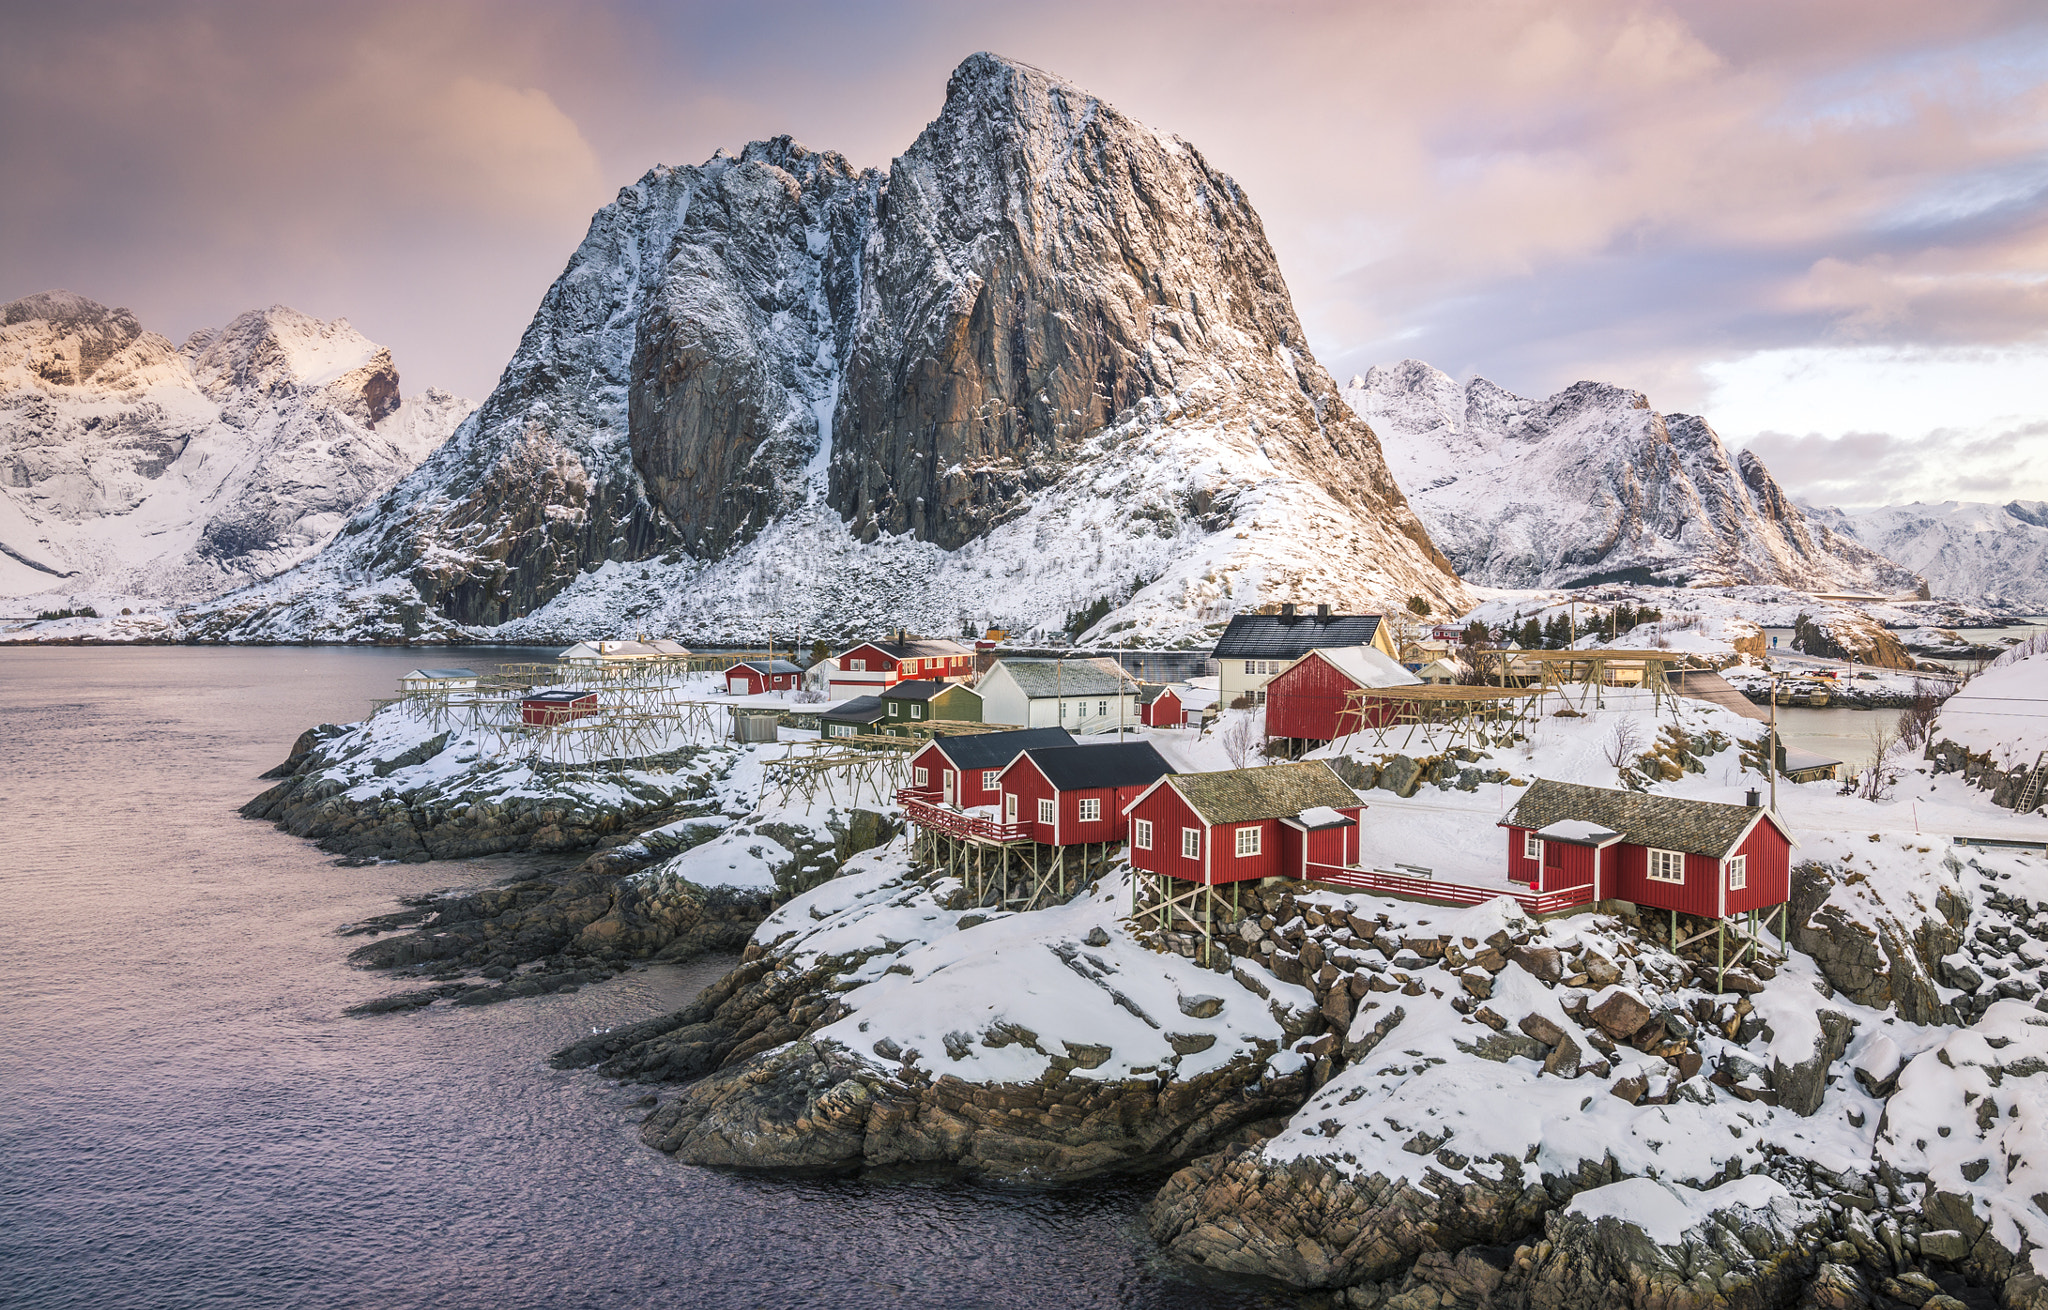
1256, 646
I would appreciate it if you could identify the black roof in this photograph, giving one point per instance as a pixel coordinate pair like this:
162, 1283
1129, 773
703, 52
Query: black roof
992, 750
1152, 691
922, 689
777, 665
1101, 764
1287, 636
861, 709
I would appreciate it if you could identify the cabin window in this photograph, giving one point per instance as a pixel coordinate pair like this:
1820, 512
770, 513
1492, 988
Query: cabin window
1191, 843
1738, 873
1666, 866
1102, 707
1532, 846
1248, 840
1063, 709
856, 666
917, 711
1257, 697
892, 709
1045, 811
1091, 810
988, 779
920, 777
1141, 834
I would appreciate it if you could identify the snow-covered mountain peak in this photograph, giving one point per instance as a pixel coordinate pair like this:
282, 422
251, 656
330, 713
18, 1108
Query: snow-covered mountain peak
1968, 550
277, 352
130, 466
1592, 484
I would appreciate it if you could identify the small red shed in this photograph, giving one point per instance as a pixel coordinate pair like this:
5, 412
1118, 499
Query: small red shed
963, 769
1239, 824
1159, 706
757, 677
1704, 858
1305, 702
1065, 795
545, 709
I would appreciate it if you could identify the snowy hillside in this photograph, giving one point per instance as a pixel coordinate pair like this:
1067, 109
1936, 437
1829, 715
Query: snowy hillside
1592, 485
130, 467
1046, 361
1968, 550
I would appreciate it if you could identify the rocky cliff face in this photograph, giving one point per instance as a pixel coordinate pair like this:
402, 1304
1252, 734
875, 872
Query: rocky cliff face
1046, 360
1967, 550
129, 465
1592, 485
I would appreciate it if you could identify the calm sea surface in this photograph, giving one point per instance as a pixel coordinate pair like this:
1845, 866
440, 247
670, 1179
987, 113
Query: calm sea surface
187, 1120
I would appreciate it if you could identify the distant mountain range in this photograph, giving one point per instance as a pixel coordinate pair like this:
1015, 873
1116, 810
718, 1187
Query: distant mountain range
1966, 550
1592, 485
130, 466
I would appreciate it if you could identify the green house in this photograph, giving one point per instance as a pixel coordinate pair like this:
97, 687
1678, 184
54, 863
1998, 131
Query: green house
910, 706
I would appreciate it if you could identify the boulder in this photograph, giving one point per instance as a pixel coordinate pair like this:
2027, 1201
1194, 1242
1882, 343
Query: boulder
1619, 1012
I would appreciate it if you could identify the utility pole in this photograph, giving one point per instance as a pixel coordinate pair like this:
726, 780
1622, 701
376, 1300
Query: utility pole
1771, 769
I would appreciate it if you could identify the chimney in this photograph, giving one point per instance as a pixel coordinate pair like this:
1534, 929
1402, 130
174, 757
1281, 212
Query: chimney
1286, 609
1323, 610
1755, 799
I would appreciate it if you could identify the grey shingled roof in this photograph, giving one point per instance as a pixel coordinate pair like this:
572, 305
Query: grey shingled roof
915, 648
1289, 636
1274, 791
1046, 679
1152, 691
1709, 828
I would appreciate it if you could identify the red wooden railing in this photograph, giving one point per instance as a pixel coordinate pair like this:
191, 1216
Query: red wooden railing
1447, 893
919, 809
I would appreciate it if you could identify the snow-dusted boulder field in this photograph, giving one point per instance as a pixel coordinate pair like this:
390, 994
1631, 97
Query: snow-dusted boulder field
131, 468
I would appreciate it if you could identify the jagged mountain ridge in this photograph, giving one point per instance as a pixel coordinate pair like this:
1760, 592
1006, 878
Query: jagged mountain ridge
1967, 550
1592, 485
131, 466
1046, 359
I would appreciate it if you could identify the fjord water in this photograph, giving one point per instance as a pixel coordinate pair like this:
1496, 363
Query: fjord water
186, 1119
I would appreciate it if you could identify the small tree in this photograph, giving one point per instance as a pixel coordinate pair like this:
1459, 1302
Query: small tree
820, 652
1876, 783
1623, 743
1245, 738
1557, 634
1418, 607
1918, 719
1531, 636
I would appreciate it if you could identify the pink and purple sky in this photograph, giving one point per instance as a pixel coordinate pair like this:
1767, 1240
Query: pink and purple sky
1823, 225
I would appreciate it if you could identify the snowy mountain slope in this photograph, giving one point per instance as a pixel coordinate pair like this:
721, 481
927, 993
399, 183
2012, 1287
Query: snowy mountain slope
1593, 485
131, 466
1046, 360
1967, 550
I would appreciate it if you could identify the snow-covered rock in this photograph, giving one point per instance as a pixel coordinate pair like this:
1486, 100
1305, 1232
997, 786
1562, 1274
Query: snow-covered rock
132, 467
1046, 360
1968, 550
1592, 485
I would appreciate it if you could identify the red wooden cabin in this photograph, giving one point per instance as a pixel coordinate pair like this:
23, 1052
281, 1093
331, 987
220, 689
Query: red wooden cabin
1239, 824
1305, 701
1160, 707
963, 769
545, 709
756, 677
876, 666
1064, 795
1704, 858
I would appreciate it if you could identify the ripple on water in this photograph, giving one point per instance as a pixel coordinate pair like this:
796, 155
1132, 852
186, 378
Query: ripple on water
190, 1122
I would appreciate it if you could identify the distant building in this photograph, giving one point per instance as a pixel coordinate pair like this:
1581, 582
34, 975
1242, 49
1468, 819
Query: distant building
438, 680
910, 705
758, 677
546, 709
1159, 706
1083, 696
856, 718
1255, 647
875, 666
620, 652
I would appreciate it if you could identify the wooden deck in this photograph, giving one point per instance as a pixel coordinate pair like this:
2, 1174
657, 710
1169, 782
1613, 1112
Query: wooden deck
922, 810
1445, 893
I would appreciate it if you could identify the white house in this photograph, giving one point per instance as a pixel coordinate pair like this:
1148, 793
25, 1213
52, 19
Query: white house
1081, 695
617, 652
438, 680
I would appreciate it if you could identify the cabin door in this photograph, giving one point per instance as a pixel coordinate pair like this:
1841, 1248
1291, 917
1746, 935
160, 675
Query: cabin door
1010, 807
946, 780
1553, 867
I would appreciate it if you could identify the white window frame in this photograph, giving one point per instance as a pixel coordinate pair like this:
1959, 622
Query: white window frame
1655, 859
1010, 808
1191, 843
1063, 709
1045, 811
916, 711
856, 666
1738, 873
1532, 846
921, 778
1250, 840
892, 709
1102, 707
989, 779
1141, 834
1091, 809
